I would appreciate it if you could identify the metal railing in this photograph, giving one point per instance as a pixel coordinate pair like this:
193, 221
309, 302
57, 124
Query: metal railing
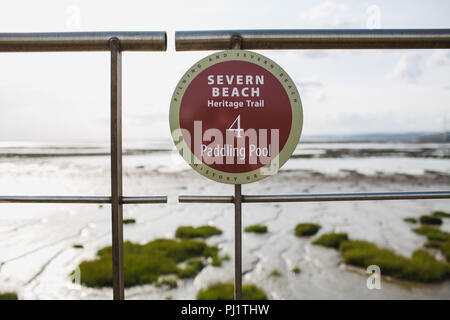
314, 39
82, 41
306, 39
321, 197
115, 42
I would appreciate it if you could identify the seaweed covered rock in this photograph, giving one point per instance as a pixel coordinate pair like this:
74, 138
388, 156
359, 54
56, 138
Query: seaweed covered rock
421, 267
331, 240
306, 229
188, 232
256, 228
144, 263
225, 291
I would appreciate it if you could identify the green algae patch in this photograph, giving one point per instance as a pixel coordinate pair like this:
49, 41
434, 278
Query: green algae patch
256, 228
9, 296
216, 261
144, 263
410, 220
306, 229
430, 220
225, 291
275, 273
192, 267
296, 270
189, 232
432, 244
441, 214
421, 267
437, 239
445, 249
433, 233
331, 240
167, 282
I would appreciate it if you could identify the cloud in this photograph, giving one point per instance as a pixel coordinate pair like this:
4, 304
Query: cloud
312, 89
311, 83
440, 57
314, 54
293, 56
330, 14
408, 68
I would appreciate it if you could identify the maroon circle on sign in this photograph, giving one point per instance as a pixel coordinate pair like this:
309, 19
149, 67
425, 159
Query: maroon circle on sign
264, 106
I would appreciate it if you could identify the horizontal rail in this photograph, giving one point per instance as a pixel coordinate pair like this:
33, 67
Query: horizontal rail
82, 41
80, 199
208, 199
146, 199
55, 199
319, 197
314, 39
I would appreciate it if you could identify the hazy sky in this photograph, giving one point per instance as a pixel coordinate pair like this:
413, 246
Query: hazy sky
65, 96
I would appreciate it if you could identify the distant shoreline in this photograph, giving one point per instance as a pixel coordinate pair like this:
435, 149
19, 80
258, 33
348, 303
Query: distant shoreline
331, 150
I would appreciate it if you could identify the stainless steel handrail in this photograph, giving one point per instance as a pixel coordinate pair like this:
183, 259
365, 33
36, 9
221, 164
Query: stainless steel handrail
81, 199
82, 41
314, 39
367, 196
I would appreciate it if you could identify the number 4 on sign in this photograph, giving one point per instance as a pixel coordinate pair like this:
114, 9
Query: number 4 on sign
238, 126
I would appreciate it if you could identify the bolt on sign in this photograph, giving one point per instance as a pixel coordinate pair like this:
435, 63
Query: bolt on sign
236, 117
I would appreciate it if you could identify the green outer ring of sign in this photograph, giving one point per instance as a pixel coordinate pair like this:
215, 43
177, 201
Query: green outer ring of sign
296, 127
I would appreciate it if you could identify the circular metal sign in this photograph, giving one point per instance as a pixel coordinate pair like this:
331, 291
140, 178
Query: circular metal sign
236, 117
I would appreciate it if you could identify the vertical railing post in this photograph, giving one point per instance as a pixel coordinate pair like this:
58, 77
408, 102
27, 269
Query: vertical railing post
236, 43
237, 242
116, 169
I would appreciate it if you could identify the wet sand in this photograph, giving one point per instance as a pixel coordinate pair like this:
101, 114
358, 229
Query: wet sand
36, 240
